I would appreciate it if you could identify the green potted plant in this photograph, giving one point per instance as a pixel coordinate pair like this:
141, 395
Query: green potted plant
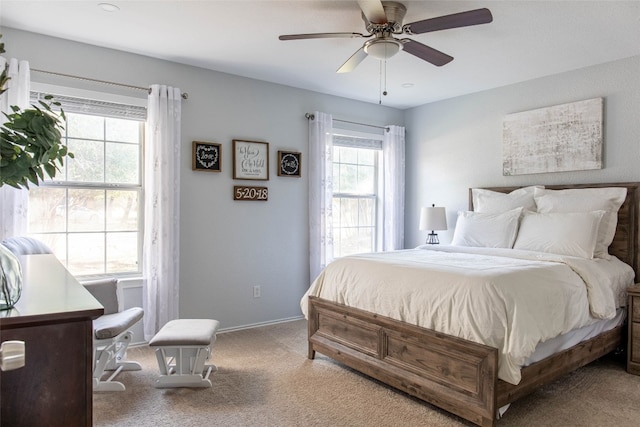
30, 141
30, 148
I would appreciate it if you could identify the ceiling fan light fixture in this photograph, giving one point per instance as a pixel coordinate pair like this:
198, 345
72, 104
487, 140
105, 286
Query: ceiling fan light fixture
383, 20
382, 48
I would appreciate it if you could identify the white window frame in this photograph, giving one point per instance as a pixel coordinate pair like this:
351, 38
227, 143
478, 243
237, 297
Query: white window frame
61, 91
373, 142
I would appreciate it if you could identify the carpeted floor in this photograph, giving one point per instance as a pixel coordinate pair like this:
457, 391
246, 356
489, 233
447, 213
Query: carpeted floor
265, 379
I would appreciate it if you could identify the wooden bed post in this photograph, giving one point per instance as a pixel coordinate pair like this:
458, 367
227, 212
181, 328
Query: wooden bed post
312, 327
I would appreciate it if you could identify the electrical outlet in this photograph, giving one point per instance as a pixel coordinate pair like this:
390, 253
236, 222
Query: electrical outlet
256, 291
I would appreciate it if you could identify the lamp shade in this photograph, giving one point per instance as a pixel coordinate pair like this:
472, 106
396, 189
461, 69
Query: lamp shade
433, 218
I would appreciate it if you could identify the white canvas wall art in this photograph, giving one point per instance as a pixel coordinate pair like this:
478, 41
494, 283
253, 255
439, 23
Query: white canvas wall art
560, 138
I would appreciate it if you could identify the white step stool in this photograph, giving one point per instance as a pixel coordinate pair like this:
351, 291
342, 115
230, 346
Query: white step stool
183, 346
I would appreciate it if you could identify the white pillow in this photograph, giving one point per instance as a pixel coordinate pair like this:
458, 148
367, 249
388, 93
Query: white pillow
489, 230
489, 201
607, 199
572, 233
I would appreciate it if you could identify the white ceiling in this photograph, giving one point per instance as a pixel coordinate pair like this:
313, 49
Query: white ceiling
526, 40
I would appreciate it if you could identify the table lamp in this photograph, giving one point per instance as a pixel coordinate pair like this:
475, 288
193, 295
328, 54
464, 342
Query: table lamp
433, 218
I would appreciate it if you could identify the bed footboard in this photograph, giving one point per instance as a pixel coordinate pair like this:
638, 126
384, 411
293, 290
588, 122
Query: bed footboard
451, 373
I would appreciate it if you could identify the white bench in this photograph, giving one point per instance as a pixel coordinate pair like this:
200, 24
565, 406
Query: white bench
182, 348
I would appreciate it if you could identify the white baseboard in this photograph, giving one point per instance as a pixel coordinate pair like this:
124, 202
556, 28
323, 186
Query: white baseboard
239, 328
258, 325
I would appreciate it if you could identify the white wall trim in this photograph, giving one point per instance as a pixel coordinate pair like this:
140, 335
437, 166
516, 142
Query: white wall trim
130, 282
240, 328
260, 324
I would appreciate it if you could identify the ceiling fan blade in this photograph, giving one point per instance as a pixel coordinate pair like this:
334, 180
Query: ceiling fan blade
456, 20
373, 11
426, 53
353, 61
321, 36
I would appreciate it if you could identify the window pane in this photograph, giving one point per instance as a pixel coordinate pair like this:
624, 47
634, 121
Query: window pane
337, 244
349, 241
354, 171
86, 210
366, 180
122, 163
354, 240
348, 212
85, 126
348, 178
47, 209
57, 242
122, 210
366, 157
86, 253
366, 214
354, 225
337, 187
88, 162
122, 130
365, 240
122, 252
349, 155
335, 213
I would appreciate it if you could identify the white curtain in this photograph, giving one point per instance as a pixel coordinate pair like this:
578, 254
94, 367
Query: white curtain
320, 192
393, 155
162, 209
14, 202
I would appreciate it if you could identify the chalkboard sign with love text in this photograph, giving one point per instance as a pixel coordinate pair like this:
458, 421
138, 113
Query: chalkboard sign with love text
207, 156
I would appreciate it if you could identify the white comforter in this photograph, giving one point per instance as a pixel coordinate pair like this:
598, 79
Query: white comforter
504, 298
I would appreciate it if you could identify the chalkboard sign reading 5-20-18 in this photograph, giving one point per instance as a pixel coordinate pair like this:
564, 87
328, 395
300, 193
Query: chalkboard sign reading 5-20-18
250, 193
206, 156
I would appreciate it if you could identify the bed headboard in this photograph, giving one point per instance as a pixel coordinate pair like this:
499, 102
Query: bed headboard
625, 242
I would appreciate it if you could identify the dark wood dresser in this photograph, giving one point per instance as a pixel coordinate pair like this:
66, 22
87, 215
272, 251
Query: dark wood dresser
54, 318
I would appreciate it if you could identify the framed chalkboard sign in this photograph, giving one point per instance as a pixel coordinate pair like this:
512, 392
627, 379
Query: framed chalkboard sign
289, 163
207, 156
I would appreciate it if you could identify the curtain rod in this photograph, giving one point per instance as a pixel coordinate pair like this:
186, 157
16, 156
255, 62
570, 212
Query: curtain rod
310, 116
184, 95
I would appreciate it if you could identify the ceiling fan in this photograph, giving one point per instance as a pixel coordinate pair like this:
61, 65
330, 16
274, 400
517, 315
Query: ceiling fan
383, 20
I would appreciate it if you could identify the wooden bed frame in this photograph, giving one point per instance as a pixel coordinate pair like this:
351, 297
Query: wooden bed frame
451, 373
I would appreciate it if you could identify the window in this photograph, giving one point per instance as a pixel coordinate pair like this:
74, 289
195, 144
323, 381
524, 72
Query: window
91, 213
356, 194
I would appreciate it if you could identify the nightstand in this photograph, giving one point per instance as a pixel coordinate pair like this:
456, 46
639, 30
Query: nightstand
633, 349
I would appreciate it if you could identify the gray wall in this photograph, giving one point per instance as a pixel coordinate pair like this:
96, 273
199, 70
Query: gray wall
226, 246
456, 144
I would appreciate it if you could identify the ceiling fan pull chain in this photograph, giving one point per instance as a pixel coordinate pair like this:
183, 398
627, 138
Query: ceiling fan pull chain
383, 87
380, 85
384, 93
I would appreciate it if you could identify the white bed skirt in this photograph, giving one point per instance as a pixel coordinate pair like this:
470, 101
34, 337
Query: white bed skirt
565, 341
